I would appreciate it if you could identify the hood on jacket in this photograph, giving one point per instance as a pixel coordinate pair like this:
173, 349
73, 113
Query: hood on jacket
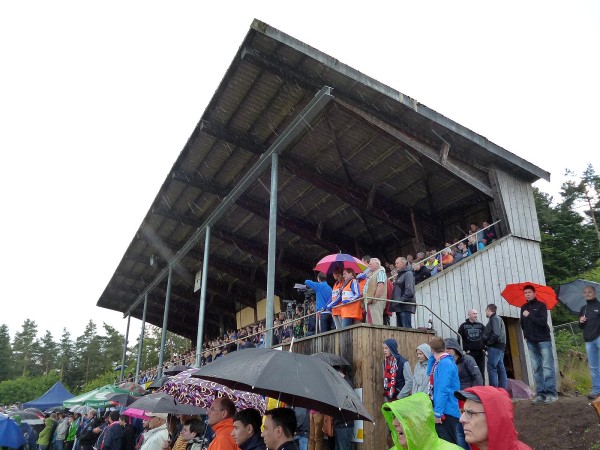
393, 346
416, 416
426, 349
499, 415
453, 344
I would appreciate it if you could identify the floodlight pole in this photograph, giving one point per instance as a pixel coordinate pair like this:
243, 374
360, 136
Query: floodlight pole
271, 251
125, 348
141, 344
202, 296
163, 339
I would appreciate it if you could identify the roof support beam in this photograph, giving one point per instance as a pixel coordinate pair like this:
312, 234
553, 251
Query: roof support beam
296, 127
420, 147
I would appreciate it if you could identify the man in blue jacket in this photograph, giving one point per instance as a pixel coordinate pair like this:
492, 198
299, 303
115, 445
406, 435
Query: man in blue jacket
323, 297
443, 381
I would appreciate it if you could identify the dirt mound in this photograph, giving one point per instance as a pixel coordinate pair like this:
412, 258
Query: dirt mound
569, 423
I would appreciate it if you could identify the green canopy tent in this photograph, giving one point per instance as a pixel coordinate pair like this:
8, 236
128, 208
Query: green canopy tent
95, 398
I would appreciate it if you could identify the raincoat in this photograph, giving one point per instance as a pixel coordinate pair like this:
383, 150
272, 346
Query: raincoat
499, 417
46, 433
416, 416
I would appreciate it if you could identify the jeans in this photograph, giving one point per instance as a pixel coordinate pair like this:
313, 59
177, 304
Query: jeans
448, 430
495, 367
42, 447
593, 351
325, 323
59, 444
404, 319
343, 437
302, 442
542, 362
347, 322
337, 320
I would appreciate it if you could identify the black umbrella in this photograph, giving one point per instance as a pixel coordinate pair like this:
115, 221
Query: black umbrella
332, 359
158, 383
160, 402
174, 370
121, 399
54, 409
298, 380
571, 294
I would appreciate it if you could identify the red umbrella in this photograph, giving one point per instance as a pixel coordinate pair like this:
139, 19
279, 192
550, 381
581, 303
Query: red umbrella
513, 293
341, 260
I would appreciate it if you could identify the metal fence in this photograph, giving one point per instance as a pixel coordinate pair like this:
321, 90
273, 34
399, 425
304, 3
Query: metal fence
568, 337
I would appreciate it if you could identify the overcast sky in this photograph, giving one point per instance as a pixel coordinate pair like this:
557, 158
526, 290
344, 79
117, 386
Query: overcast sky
97, 99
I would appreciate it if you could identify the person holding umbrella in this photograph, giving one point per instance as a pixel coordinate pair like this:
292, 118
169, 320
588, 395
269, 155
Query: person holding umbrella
336, 296
350, 308
534, 323
589, 321
246, 430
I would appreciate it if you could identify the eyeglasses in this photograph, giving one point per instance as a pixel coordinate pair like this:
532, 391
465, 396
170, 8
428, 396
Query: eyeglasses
469, 413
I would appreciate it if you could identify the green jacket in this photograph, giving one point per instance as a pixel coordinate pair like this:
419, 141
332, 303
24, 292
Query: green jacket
46, 433
415, 413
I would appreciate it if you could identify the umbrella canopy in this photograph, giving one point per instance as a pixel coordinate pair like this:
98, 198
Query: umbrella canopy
342, 260
54, 409
81, 409
95, 398
10, 433
35, 411
571, 294
332, 359
133, 388
137, 413
158, 383
513, 293
121, 399
298, 380
202, 393
174, 370
159, 402
27, 417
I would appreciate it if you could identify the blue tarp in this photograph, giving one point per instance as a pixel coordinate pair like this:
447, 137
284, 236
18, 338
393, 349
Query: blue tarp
55, 396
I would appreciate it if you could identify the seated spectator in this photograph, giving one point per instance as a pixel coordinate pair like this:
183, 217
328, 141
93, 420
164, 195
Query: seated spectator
489, 234
462, 249
447, 258
421, 272
474, 245
432, 263
474, 229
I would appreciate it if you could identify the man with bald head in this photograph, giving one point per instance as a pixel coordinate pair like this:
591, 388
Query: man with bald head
375, 289
471, 333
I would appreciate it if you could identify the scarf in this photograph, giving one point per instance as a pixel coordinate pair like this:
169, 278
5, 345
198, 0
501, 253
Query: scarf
430, 386
389, 377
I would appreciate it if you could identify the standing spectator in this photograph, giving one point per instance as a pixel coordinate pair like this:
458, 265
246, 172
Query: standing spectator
315, 438
443, 380
46, 434
246, 430
589, 321
311, 320
489, 234
375, 289
404, 291
157, 432
494, 338
220, 418
193, 434
487, 419
342, 428
421, 272
397, 375
351, 308
112, 438
279, 429
471, 333
468, 372
87, 435
61, 432
128, 433
534, 322
302, 428
420, 377
323, 297
71, 432
336, 297
412, 425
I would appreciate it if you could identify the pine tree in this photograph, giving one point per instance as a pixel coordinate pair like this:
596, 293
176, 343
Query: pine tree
65, 362
6, 354
25, 347
48, 352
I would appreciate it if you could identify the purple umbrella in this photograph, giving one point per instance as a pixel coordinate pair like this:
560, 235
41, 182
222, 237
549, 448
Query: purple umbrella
202, 393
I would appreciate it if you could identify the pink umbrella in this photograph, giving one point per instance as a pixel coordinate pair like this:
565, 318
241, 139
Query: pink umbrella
137, 413
341, 260
201, 393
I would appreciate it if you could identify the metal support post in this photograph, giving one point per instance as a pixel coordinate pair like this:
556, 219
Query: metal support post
202, 297
163, 339
271, 251
125, 348
141, 343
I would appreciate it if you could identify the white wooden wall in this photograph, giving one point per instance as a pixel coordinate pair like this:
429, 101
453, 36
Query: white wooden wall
516, 198
477, 281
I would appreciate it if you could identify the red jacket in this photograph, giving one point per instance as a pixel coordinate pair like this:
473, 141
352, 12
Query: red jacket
499, 417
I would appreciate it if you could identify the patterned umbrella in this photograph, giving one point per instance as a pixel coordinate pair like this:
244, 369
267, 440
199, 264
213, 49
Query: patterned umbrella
202, 393
342, 260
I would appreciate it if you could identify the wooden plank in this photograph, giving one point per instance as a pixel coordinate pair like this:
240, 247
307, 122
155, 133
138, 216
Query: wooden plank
534, 218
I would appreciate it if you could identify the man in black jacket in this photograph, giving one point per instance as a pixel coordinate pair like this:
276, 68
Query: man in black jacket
589, 321
494, 338
404, 291
471, 333
90, 431
534, 322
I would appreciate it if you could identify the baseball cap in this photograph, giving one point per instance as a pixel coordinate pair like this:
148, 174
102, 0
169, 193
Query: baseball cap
465, 395
160, 415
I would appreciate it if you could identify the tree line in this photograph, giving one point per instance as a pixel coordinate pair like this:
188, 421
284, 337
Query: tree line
29, 365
